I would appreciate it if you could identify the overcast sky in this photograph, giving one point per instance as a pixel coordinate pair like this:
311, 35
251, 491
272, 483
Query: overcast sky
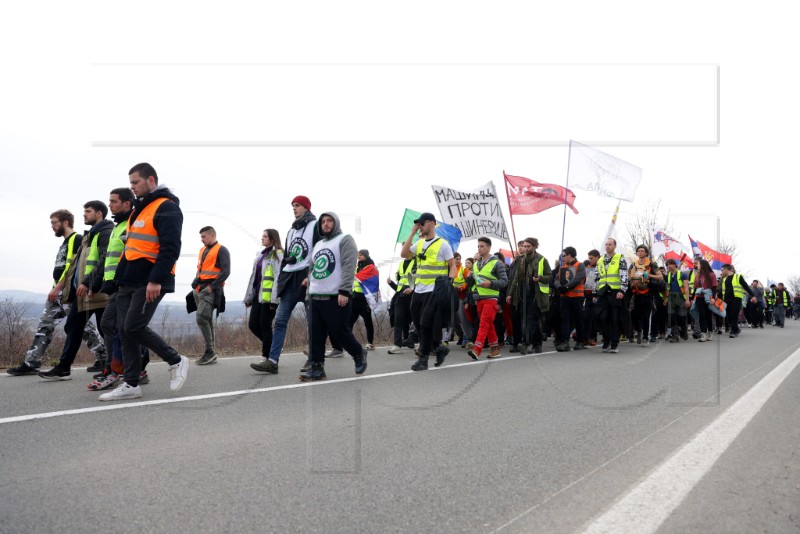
362, 106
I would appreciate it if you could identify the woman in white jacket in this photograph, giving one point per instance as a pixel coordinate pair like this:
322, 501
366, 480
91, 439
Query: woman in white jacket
260, 296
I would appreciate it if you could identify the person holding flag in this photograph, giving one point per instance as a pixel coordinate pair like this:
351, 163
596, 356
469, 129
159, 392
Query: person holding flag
365, 285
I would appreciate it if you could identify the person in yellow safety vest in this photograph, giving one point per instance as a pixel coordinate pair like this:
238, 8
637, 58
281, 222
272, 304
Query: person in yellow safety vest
120, 204
401, 304
84, 279
145, 273
213, 268
781, 297
611, 283
62, 223
434, 261
678, 300
491, 277
733, 287
261, 297
460, 326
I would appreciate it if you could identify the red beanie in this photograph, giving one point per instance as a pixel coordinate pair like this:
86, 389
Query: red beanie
303, 201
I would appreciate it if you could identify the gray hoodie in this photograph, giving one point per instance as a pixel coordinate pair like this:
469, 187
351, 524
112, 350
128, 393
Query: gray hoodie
348, 250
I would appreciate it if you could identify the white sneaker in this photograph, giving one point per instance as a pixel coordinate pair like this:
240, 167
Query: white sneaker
178, 374
122, 392
334, 353
395, 350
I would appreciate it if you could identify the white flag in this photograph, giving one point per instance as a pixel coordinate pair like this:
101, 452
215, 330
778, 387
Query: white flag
476, 213
602, 173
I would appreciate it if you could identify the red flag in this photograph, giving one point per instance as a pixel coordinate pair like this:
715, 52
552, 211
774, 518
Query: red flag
526, 197
683, 260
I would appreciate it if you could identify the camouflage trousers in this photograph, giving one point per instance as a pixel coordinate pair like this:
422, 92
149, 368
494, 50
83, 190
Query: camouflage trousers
53, 313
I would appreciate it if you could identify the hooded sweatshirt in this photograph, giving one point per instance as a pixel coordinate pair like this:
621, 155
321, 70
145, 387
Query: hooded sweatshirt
333, 262
168, 222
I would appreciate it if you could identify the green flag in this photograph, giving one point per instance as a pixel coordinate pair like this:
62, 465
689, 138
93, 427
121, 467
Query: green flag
406, 224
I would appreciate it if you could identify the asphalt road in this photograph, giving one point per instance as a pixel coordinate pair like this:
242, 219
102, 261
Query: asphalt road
536, 443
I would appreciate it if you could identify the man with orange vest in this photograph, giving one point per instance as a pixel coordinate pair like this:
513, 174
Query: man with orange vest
571, 278
145, 273
213, 268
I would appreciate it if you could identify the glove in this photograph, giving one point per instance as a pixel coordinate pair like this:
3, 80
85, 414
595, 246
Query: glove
291, 260
562, 289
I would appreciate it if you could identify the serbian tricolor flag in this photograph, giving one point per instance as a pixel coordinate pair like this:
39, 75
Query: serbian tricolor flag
714, 258
369, 280
526, 197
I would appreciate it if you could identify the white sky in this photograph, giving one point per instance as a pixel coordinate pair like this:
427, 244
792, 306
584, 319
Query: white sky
363, 105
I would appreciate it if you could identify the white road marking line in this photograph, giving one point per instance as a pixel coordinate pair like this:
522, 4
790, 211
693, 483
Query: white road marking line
103, 408
645, 507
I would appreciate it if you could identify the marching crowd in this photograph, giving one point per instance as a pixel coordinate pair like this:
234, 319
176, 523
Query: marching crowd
119, 271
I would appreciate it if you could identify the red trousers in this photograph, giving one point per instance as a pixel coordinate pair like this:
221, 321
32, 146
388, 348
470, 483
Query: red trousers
487, 310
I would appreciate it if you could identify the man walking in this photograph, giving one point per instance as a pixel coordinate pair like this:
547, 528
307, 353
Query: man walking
291, 287
529, 295
213, 268
733, 287
571, 277
678, 300
490, 278
84, 281
62, 223
330, 288
145, 274
434, 261
611, 284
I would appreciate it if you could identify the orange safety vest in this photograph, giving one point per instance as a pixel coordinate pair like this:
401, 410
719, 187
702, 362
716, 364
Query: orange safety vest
641, 287
206, 267
142, 235
577, 291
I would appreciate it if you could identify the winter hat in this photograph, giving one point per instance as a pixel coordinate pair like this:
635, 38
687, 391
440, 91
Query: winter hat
303, 201
364, 252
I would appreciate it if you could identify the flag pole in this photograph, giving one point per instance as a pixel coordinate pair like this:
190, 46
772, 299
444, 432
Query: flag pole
566, 193
613, 222
510, 214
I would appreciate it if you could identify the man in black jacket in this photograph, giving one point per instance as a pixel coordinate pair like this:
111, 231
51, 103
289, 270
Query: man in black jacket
145, 273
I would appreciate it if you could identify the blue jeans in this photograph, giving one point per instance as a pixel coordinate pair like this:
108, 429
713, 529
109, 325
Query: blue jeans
289, 299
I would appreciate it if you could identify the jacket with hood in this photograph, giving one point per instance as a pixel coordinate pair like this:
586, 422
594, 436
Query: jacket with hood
348, 255
168, 222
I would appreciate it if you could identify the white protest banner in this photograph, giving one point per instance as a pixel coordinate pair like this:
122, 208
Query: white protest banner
592, 170
476, 213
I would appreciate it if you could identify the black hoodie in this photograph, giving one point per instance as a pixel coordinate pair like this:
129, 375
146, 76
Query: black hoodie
168, 222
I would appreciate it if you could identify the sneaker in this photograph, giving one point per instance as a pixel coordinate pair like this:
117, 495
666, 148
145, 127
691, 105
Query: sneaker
639, 338
265, 366
494, 352
579, 346
563, 347
369, 346
441, 354
420, 365
674, 339
733, 335
646, 343
592, 342
709, 336
470, 345
56, 373
614, 349
696, 335
22, 370
178, 373
361, 362
702, 338
537, 349
395, 350
522, 348
334, 353
97, 367
316, 372
408, 343
105, 382
123, 392
474, 353
306, 366
207, 359
514, 349
144, 378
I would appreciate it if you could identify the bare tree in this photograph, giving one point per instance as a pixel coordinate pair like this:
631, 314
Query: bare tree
15, 331
794, 284
648, 218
